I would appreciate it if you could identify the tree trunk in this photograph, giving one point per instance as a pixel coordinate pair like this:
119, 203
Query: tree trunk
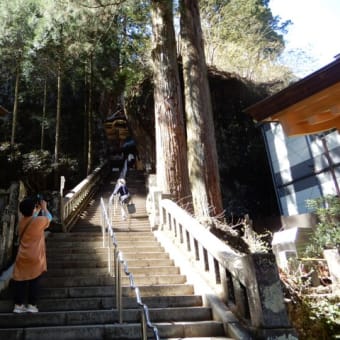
16, 99
89, 119
58, 116
202, 153
43, 119
171, 149
85, 137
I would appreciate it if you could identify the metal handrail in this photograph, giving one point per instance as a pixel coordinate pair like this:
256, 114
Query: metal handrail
118, 262
124, 170
112, 206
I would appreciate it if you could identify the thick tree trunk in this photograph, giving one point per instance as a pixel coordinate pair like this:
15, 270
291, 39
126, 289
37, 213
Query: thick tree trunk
202, 153
171, 149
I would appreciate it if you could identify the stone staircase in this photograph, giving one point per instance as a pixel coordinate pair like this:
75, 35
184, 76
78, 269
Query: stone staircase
78, 295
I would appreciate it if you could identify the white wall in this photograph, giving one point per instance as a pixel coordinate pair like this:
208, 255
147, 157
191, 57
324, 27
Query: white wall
300, 167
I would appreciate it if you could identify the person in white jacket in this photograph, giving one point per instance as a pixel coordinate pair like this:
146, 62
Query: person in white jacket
123, 195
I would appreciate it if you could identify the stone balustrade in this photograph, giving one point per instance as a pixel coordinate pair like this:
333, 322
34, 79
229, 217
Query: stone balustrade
78, 197
249, 285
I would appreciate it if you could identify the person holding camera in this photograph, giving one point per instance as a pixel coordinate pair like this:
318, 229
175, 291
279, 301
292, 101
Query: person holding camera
30, 262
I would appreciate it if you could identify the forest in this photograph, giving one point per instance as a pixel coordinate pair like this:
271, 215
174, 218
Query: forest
67, 65
183, 71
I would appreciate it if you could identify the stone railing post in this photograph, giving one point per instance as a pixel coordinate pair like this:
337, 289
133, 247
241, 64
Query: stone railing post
266, 301
332, 257
154, 198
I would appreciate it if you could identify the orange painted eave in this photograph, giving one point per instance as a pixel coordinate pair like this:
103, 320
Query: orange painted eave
311, 105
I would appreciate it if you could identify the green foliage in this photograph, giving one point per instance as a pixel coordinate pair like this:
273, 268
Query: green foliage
325, 311
99, 45
316, 315
327, 232
311, 310
18, 24
35, 168
37, 161
10, 163
243, 36
67, 165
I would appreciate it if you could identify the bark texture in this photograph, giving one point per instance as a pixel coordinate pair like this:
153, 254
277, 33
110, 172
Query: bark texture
171, 149
202, 154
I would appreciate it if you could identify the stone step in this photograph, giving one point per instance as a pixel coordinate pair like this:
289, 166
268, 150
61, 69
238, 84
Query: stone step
79, 237
70, 247
74, 271
90, 257
103, 280
97, 263
137, 218
80, 317
107, 302
180, 330
86, 281
81, 251
145, 291
84, 251
140, 252
122, 226
127, 248
108, 291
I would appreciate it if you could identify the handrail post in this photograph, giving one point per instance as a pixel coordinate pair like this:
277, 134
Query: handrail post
103, 228
109, 258
110, 208
119, 286
143, 326
115, 205
118, 280
62, 213
116, 262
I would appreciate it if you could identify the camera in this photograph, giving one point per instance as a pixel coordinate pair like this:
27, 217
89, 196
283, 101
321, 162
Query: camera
39, 198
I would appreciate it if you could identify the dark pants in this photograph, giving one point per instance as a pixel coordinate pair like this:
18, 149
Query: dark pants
29, 289
131, 163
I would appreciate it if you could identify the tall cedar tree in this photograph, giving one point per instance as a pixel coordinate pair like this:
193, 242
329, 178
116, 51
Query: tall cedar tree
202, 153
171, 149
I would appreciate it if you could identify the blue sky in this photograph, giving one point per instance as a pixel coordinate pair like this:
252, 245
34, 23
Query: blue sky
315, 28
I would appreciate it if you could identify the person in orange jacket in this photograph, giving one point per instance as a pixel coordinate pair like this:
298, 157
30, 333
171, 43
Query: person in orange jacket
30, 262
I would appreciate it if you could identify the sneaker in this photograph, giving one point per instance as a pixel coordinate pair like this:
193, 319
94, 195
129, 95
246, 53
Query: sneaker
32, 309
19, 309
